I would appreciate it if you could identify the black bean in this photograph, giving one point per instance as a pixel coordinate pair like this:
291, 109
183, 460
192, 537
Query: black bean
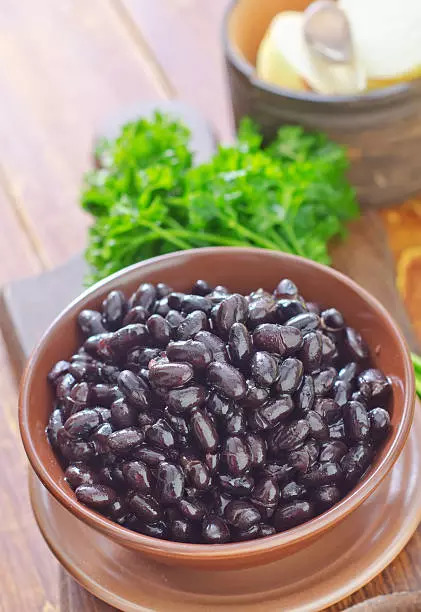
288, 436
135, 315
155, 530
280, 471
138, 476
196, 302
64, 386
257, 449
239, 535
333, 451
379, 423
99, 346
275, 411
182, 530
326, 496
240, 345
197, 473
236, 485
159, 329
74, 450
311, 352
201, 287
82, 423
322, 474
162, 308
124, 440
175, 300
55, 422
90, 322
289, 308
357, 423
212, 461
177, 422
127, 338
122, 414
215, 530
162, 290
174, 318
341, 392
328, 409
204, 430
293, 514
233, 309
304, 397
193, 510
264, 368
312, 447
329, 352
313, 307
357, 348
145, 296
332, 320
145, 507
59, 369
118, 511
134, 389
241, 514
318, 425
113, 310
337, 431
151, 456
78, 474
140, 358
170, 375
226, 379
374, 385
169, 483
160, 434
236, 421
255, 396
96, 496
323, 381
355, 462
266, 495
195, 322
268, 337
219, 406
236, 455
305, 322
290, 375
265, 530
299, 460
348, 373
286, 289
262, 309
215, 345
190, 351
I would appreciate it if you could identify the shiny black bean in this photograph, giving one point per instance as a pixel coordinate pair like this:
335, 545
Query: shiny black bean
280, 471
190, 351
379, 423
290, 375
174, 318
285, 289
348, 373
78, 474
312, 447
323, 381
123, 414
311, 352
145, 507
240, 535
236, 455
74, 450
356, 420
104, 395
227, 380
135, 315
264, 368
275, 411
113, 310
322, 474
118, 511
355, 462
293, 514
304, 397
96, 496
99, 438
215, 530
374, 385
197, 473
333, 451
64, 386
240, 345
337, 431
236, 421
265, 530
329, 351
55, 422
293, 491
178, 423
241, 514
155, 530
255, 396
355, 345
332, 320
82, 423
196, 302
90, 371
127, 338
170, 375
268, 337
233, 309
257, 448
124, 440
318, 426
266, 495
341, 392
162, 308
160, 434
175, 300
326, 496
59, 369
145, 296
305, 322
314, 307
140, 358
193, 510
150, 456
215, 345
236, 485
300, 460
289, 308
90, 323
182, 530
262, 310
330, 410
201, 287
288, 436
162, 290
169, 483
138, 476
99, 346
195, 322
219, 406
159, 329
134, 389
212, 461
204, 430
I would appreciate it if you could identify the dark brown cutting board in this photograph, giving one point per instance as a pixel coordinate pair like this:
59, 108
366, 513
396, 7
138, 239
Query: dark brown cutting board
28, 306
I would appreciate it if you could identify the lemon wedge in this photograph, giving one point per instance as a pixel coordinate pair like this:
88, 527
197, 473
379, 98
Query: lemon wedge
387, 37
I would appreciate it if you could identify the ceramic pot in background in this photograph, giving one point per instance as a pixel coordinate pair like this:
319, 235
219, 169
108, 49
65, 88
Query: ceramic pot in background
382, 129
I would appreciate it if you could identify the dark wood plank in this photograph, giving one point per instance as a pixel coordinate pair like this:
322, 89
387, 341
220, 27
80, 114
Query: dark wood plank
185, 38
64, 67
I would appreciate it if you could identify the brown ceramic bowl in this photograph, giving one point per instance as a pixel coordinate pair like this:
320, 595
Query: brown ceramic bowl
241, 269
381, 128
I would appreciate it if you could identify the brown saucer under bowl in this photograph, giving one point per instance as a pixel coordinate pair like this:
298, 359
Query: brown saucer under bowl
240, 269
380, 128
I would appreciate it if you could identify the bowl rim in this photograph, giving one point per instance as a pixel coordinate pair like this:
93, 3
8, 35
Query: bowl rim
374, 96
251, 548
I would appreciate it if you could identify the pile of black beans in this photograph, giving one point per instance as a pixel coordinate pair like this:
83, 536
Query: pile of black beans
214, 417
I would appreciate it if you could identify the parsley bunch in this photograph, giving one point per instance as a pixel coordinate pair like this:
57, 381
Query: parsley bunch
147, 198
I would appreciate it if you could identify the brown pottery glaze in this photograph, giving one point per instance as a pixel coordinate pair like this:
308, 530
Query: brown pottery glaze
381, 129
240, 269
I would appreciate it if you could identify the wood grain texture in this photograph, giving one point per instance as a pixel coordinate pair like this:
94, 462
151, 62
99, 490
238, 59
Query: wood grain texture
184, 37
64, 67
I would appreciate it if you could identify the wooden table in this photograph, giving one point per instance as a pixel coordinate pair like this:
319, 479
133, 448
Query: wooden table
66, 66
